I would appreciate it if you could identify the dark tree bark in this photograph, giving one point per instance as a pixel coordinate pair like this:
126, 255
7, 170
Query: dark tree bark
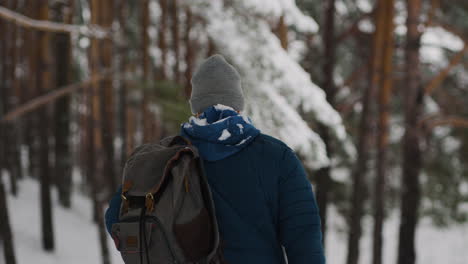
365, 132
175, 37
10, 101
189, 53
18, 85
6, 236
146, 117
162, 39
412, 157
96, 147
62, 50
122, 89
44, 84
104, 16
323, 179
32, 122
94, 168
385, 9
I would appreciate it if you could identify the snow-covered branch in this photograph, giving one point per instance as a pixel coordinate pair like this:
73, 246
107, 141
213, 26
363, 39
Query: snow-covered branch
24, 21
277, 87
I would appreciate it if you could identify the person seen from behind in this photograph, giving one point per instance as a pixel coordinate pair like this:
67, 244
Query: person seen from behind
265, 206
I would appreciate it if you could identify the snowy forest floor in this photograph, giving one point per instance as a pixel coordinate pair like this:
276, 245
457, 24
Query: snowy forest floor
77, 239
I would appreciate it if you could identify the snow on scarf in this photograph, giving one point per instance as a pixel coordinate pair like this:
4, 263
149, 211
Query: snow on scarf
219, 132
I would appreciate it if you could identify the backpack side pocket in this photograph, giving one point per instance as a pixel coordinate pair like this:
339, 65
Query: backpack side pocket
128, 239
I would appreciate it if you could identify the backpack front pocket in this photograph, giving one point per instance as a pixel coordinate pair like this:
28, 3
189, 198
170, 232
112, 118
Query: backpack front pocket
132, 240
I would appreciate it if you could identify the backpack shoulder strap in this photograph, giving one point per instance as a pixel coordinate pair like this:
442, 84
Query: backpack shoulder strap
175, 140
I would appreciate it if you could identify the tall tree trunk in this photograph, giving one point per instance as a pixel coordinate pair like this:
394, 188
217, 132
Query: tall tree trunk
162, 39
360, 170
108, 114
122, 91
146, 117
62, 169
12, 164
95, 168
6, 235
19, 94
97, 125
44, 84
32, 122
175, 37
412, 160
104, 17
189, 53
6, 239
386, 10
323, 175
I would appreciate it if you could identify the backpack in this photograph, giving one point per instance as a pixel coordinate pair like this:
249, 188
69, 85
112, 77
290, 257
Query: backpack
167, 213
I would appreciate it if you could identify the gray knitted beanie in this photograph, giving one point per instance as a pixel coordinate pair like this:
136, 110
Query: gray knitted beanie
216, 82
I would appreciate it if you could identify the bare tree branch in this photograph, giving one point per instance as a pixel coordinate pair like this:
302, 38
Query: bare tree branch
431, 121
443, 74
454, 121
50, 97
24, 21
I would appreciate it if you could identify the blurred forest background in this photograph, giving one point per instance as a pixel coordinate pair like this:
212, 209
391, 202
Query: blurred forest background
371, 94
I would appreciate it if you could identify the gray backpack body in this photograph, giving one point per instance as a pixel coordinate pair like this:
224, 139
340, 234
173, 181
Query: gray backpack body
167, 213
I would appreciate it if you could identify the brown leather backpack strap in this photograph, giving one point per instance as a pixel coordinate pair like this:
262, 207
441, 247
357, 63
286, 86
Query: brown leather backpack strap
125, 188
150, 196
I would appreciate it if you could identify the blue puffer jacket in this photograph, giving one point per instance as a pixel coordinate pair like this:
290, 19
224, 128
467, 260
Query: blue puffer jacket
263, 201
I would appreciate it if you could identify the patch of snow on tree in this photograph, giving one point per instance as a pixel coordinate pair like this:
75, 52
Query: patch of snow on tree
341, 8
366, 25
295, 17
435, 41
430, 105
274, 9
364, 5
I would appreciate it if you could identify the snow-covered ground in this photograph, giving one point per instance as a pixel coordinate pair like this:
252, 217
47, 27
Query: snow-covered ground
434, 245
77, 239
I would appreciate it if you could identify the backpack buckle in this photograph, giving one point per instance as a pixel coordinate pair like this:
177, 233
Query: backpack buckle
149, 202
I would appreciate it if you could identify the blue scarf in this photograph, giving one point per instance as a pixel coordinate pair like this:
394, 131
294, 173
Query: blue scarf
219, 132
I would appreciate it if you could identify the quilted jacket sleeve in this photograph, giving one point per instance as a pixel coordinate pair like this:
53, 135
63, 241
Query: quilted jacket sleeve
299, 220
112, 213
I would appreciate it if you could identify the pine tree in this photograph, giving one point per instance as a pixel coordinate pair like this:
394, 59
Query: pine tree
385, 10
412, 156
44, 83
63, 57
